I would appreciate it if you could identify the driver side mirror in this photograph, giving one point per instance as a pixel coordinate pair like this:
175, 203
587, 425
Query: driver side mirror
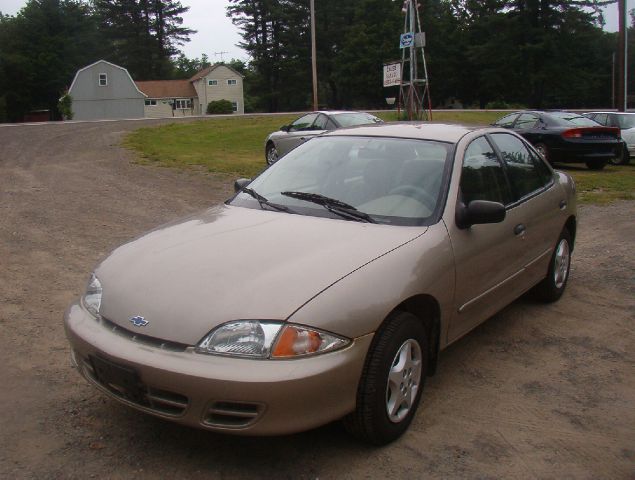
478, 212
241, 183
285, 128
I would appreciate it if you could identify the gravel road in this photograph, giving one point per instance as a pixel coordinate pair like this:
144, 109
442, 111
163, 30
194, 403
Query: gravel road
535, 392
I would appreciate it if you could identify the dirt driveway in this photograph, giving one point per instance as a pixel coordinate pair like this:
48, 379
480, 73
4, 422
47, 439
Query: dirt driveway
536, 392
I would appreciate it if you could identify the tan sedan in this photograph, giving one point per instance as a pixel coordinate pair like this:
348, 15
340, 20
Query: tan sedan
327, 286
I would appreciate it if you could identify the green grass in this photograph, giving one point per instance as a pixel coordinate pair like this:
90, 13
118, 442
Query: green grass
604, 186
235, 146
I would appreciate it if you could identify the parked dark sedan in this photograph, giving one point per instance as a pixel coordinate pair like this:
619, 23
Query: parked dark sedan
566, 137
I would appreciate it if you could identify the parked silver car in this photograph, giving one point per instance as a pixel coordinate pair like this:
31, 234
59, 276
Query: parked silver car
307, 126
626, 123
326, 287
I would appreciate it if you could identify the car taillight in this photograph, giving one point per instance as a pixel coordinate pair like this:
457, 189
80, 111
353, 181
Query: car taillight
592, 132
572, 133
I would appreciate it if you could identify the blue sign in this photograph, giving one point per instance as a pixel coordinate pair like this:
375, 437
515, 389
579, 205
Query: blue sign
406, 40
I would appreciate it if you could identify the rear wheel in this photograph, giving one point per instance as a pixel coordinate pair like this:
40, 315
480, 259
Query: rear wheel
624, 157
392, 381
596, 165
552, 287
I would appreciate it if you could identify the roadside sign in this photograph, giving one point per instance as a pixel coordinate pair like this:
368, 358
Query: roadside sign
392, 74
406, 40
420, 39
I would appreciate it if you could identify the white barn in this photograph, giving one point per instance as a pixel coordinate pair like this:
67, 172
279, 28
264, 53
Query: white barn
104, 90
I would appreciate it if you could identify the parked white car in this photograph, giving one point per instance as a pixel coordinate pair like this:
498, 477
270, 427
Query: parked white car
626, 123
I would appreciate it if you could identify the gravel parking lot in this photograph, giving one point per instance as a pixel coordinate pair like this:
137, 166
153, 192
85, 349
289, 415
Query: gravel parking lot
535, 392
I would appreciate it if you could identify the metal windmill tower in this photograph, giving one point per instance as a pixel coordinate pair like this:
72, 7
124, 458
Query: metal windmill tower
414, 92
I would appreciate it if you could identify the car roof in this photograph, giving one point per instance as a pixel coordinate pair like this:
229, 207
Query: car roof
614, 113
444, 132
337, 112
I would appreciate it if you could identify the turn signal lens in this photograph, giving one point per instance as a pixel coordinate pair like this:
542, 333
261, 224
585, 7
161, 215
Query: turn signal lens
296, 341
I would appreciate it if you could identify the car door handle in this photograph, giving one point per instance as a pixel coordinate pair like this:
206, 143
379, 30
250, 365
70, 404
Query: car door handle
519, 229
302, 138
563, 204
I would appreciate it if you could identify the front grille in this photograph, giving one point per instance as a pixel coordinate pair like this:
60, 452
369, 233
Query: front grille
144, 339
233, 414
155, 400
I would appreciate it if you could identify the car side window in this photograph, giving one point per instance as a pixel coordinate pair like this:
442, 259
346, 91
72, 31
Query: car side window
482, 176
601, 118
527, 121
320, 122
612, 121
330, 125
303, 123
507, 121
526, 171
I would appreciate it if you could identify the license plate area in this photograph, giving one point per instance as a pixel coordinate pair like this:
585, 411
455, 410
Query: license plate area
120, 380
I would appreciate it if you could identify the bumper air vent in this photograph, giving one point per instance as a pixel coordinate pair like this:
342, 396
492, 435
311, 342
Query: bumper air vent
233, 414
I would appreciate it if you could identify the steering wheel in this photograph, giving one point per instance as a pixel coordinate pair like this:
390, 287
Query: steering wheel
416, 193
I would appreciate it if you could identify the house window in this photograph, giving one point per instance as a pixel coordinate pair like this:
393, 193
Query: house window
231, 81
212, 83
235, 106
151, 103
103, 79
184, 103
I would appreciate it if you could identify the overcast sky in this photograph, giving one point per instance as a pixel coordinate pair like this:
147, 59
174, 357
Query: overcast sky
217, 34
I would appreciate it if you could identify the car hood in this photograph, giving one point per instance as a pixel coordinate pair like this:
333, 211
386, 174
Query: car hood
231, 263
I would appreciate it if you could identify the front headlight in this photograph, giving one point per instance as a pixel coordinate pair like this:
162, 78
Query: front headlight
266, 339
92, 297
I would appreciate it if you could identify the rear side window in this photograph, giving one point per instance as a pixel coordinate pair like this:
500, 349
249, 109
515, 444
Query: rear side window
482, 177
601, 118
527, 173
527, 121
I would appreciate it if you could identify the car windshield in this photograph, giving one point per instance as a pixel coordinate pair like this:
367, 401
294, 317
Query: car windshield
626, 121
352, 119
379, 179
566, 119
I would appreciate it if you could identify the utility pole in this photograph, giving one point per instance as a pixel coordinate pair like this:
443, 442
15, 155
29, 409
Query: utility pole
314, 57
622, 98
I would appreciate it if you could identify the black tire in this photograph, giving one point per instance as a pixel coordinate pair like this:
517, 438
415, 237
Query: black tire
401, 336
596, 165
271, 153
552, 287
622, 159
544, 151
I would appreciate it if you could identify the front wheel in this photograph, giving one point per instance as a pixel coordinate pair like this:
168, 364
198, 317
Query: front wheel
271, 154
392, 380
543, 150
553, 285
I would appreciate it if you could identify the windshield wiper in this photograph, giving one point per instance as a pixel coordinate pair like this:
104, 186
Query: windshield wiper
263, 200
338, 207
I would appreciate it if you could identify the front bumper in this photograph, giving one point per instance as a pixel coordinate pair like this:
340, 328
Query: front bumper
233, 395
